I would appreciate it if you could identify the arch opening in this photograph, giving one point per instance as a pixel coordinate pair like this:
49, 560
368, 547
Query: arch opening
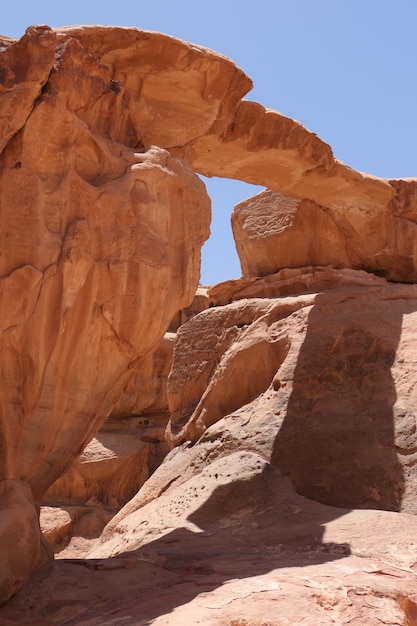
219, 259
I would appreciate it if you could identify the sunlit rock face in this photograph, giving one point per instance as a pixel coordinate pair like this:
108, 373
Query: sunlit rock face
129, 446
100, 247
74, 323
323, 375
273, 231
296, 381
292, 411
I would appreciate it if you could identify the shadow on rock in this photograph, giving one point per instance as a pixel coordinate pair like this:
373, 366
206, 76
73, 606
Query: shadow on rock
225, 529
337, 441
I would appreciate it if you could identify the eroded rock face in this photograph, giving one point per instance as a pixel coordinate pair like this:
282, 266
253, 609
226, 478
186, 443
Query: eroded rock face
21, 81
324, 374
22, 548
307, 372
188, 99
131, 443
219, 536
273, 231
178, 91
88, 298
111, 468
100, 244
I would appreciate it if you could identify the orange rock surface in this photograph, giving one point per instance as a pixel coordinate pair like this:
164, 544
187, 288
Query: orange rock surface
291, 394
229, 541
100, 245
324, 376
131, 443
273, 232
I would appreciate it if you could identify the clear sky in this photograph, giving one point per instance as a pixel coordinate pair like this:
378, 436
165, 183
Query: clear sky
346, 69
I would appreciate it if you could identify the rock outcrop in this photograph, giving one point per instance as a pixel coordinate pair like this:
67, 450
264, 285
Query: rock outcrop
124, 453
324, 373
188, 100
100, 247
290, 401
218, 536
129, 445
273, 232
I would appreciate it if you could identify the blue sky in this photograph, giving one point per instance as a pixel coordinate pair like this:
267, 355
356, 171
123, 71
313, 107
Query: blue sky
346, 69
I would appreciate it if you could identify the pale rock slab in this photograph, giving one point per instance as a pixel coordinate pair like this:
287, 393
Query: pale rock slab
229, 541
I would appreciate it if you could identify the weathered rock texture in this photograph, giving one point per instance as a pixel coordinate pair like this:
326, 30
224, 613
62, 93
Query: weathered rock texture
22, 547
92, 249
295, 369
100, 247
188, 100
326, 373
229, 541
273, 231
131, 443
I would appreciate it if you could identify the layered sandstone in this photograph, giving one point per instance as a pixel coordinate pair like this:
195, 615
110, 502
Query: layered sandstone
100, 248
291, 393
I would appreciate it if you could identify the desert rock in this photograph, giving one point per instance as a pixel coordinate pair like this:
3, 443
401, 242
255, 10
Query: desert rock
230, 542
324, 373
292, 391
21, 81
86, 295
273, 232
131, 443
100, 248
22, 546
189, 100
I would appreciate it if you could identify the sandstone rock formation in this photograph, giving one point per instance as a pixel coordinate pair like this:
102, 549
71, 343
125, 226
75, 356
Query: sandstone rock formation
100, 245
230, 542
125, 452
291, 393
188, 100
129, 445
325, 373
273, 232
